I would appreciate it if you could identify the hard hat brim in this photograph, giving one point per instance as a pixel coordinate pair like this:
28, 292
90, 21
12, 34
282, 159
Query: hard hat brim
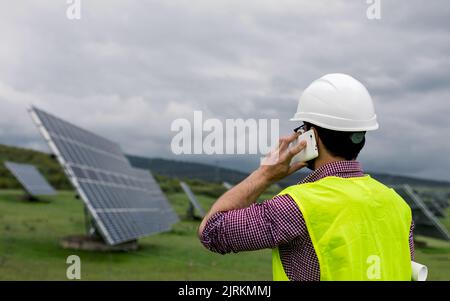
337, 124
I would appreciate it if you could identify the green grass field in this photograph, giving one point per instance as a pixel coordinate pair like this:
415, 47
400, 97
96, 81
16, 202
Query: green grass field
30, 234
29, 247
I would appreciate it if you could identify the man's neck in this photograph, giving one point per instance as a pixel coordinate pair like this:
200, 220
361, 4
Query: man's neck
323, 160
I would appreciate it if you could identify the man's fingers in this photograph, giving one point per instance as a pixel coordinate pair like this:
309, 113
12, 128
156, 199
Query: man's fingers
281, 141
286, 140
291, 138
296, 149
283, 144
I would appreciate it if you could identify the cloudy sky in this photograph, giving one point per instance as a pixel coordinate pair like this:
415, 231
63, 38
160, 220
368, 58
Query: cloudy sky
127, 69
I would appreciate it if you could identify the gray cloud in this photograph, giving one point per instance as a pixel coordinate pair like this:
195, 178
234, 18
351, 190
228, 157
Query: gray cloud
127, 69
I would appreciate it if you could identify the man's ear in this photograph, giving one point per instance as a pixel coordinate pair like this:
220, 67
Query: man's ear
317, 137
318, 141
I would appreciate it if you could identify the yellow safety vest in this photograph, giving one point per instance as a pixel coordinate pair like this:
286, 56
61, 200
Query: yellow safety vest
359, 229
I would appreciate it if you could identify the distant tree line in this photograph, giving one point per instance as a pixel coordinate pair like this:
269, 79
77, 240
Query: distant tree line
52, 171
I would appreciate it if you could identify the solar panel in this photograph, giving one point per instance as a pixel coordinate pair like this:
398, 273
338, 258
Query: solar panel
439, 198
442, 201
435, 208
123, 205
193, 199
149, 183
31, 179
227, 185
425, 222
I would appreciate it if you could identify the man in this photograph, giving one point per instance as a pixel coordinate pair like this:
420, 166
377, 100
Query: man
338, 223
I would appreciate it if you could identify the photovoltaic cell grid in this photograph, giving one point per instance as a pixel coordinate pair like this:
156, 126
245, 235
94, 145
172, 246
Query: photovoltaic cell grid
425, 222
437, 202
187, 190
434, 208
124, 205
442, 201
149, 183
31, 179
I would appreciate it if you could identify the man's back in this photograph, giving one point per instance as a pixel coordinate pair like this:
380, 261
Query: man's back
354, 224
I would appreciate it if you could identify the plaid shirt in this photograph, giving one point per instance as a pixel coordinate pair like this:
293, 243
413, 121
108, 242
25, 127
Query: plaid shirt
277, 223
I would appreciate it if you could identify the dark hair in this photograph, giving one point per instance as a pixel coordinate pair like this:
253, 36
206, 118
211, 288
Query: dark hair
341, 144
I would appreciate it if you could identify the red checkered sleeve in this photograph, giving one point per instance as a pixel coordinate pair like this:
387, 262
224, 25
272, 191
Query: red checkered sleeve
260, 226
411, 240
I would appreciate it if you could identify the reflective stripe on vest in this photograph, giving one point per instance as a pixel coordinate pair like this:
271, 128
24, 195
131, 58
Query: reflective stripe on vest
359, 229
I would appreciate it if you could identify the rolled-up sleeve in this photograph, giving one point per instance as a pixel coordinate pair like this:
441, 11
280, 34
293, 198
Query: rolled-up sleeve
260, 226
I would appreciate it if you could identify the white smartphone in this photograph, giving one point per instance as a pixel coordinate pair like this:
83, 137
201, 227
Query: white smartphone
310, 151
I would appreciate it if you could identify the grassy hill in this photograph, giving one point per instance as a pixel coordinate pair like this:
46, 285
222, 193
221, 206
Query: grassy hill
46, 164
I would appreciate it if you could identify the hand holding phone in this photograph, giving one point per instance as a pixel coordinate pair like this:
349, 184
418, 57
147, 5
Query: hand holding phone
310, 151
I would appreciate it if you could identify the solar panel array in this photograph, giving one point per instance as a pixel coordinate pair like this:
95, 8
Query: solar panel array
425, 222
124, 204
193, 199
31, 179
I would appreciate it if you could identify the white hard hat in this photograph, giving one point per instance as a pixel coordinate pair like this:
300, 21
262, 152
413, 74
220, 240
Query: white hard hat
337, 102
